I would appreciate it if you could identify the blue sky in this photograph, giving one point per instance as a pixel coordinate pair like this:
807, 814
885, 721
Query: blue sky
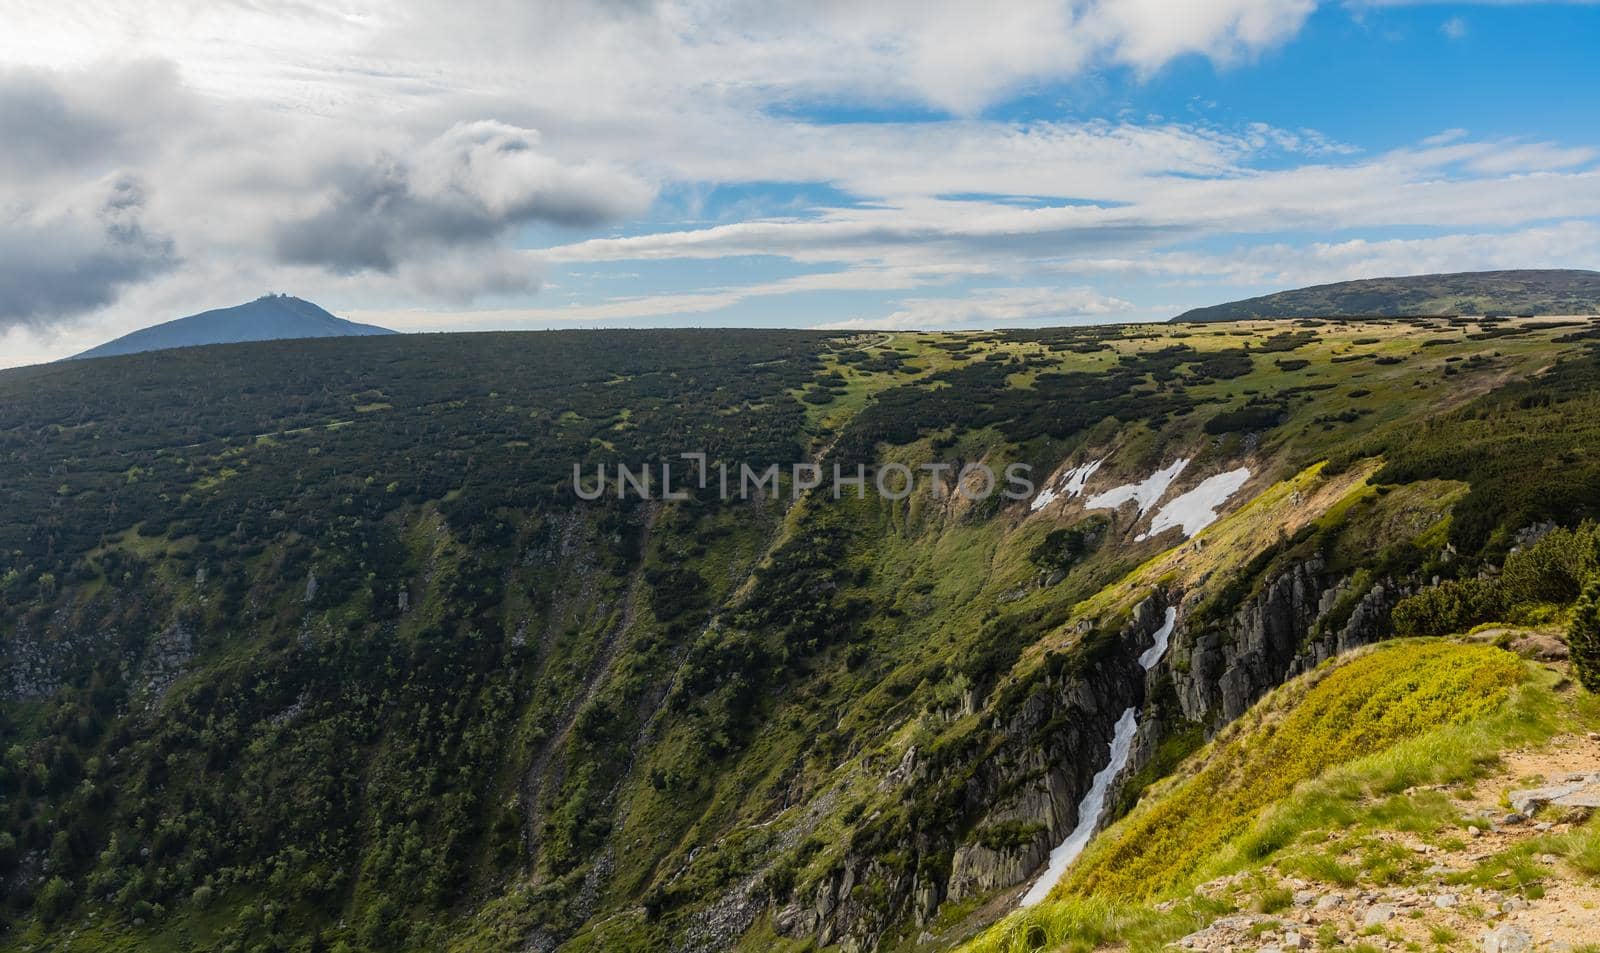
435, 166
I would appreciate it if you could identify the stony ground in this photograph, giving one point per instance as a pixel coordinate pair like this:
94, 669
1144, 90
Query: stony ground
1483, 883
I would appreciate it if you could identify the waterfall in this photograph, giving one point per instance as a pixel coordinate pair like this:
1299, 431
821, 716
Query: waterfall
1153, 654
1089, 811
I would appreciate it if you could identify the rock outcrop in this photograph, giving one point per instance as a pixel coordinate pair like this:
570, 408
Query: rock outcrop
1274, 635
1044, 755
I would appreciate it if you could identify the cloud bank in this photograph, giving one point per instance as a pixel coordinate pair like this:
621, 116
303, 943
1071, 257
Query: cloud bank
460, 168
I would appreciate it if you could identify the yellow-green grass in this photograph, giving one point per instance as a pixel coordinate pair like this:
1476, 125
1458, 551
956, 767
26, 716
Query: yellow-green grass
1347, 711
1325, 752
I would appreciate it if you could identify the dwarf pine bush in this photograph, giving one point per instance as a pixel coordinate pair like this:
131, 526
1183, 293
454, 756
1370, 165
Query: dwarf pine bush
1583, 637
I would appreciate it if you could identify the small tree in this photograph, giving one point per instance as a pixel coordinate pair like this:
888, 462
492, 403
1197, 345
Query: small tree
1583, 637
54, 900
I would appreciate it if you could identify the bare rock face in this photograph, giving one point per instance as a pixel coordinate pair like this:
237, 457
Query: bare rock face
1231, 666
166, 656
1046, 747
1542, 646
977, 868
1273, 636
1583, 794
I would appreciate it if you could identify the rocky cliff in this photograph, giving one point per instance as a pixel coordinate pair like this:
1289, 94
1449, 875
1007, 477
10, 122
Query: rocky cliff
1288, 626
1014, 797
1019, 797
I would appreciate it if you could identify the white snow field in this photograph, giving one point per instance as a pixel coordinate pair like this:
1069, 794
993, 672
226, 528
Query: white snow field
1150, 656
1070, 485
1197, 509
1146, 492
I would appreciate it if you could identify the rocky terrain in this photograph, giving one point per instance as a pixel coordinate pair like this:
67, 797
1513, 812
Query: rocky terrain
1441, 900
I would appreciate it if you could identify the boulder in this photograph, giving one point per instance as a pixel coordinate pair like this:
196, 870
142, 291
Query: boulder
1583, 794
1507, 938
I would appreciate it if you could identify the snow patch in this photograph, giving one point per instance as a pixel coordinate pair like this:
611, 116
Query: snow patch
1197, 509
1089, 811
1146, 492
1069, 485
1045, 498
1078, 476
1150, 656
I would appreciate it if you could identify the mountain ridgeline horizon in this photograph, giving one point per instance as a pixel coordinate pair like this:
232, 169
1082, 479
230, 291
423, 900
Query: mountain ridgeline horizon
1525, 292
312, 646
270, 317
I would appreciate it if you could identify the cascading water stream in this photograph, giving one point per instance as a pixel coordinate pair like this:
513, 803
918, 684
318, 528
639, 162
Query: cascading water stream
1088, 811
1150, 656
1094, 802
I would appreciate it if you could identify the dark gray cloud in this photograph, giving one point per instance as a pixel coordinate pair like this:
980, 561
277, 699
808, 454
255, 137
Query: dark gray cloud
467, 187
58, 123
74, 206
60, 264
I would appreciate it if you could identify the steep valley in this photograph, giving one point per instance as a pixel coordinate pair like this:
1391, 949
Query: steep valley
312, 646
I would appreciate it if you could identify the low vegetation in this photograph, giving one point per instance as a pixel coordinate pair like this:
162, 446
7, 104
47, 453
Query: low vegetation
310, 646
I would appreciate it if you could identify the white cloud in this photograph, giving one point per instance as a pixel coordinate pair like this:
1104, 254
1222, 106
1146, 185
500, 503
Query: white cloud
1464, 184
1149, 33
950, 54
393, 155
77, 252
465, 188
991, 307
1455, 28
654, 306
1571, 244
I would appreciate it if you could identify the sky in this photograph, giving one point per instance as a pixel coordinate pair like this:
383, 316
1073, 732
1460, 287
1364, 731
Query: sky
451, 166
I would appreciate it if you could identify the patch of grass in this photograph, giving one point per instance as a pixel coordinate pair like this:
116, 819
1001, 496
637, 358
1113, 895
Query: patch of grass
1319, 866
1083, 924
1274, 899
1580, 848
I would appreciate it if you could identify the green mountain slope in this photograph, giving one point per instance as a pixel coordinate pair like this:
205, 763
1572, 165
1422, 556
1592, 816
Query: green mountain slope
311, 645
1545, 292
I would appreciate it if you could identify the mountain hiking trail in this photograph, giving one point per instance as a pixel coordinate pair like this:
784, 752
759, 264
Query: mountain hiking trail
1498, 886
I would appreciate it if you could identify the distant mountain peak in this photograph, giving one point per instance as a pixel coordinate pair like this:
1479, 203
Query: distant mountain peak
271, 317
1527, 291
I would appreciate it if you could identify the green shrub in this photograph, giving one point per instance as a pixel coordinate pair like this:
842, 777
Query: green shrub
1555, 568
1454, 605
54, 901
1583, 637
1063, 548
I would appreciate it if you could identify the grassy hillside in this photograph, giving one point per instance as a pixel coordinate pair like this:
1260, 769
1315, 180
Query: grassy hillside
1364, 776
1363, 706
1473, 293
310, 645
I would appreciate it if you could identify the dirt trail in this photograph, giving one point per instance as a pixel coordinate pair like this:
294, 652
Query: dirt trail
1428, 911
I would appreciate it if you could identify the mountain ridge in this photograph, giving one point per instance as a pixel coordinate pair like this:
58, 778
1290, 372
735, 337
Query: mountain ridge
273, 317
1522, 291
